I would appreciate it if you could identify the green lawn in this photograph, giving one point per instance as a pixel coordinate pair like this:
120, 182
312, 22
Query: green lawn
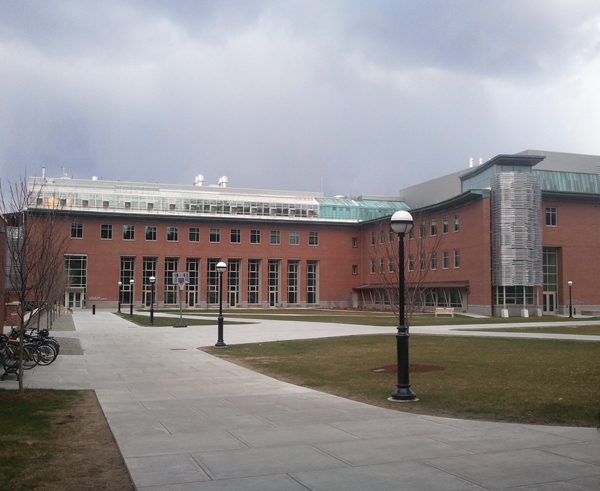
516, 380
27, 436
584, 330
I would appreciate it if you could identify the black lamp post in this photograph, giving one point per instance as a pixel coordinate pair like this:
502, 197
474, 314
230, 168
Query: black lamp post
570, 283
152, 282
131, 282
401, 223
221, 268
120, 285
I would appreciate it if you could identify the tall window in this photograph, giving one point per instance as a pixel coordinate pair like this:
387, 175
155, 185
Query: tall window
128, 232
255, 236
313, 238
381, 236
390, 265
354, 241
551, 217
445, 225
373, 237
192, 266
127, 274
275, 237
411, 263
194, 234
445, 260
171, 290
274, 268
373, 266
433, 228
150, 232
76, 270
77, 230
294, 238
253, 281
172, 234
456, 223
106, 232
215, 235
148, 270
236, 236
433, 260
233, 281
212, 282
456, 259
381, 265
312, 282
293, 280
422, 227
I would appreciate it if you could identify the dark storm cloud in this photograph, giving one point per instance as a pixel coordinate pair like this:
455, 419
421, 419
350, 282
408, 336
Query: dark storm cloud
364, 97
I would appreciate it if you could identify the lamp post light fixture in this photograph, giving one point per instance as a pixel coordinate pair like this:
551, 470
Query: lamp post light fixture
221, 268
152, 280
402, 223
131, 282
570, 283
119, 308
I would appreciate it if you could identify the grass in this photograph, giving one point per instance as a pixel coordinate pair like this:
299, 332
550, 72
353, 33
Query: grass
27, 436
515, 380
369, 318
143, 320
583, 330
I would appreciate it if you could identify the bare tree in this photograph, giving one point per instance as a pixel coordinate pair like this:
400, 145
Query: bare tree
420, 263
36, 243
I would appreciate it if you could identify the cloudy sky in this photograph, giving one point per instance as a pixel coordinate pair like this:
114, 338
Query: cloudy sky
343, 96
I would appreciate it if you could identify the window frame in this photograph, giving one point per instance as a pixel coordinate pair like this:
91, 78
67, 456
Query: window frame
77, 227
255, 236
106, 231
194, 234
275, 237
172, 234
214, 236
456, 259
551, 216
313, 239
235, 236
296, 235
129, 232
150, 229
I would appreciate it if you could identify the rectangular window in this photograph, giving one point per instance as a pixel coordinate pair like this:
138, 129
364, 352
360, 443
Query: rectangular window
390, 265
312, 282
294, 238
354, 241
254, 281
456, 259
106, 232
433, 228
214, 236
411, 233
445, 225
354, 269
255, 236
148, 271
128, 232
456, 223
212, 282
275, 237
381, 265
293, 281
127, 275
235, 236
373, 237
192, 289
77, 230
421, 262
391, 236
274, 273
411, 263
551, 217
433, 260
171, 291
313, 238
194, 234
76, 270
381, 236
422, 229
234, 268
373, 266
172, 234
445, 260
150, 232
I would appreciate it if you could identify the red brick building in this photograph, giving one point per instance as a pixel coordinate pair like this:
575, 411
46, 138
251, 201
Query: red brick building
501, 238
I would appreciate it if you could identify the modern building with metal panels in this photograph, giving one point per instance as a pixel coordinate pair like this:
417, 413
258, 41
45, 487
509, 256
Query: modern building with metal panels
501, 238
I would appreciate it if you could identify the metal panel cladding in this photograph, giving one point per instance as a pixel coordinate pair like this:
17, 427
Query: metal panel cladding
516, 229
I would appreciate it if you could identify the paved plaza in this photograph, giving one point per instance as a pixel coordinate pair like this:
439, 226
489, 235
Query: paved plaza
185, 420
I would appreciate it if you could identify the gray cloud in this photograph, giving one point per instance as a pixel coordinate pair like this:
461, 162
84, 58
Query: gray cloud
364, 97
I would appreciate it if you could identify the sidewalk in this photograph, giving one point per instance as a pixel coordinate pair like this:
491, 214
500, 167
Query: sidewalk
185, 420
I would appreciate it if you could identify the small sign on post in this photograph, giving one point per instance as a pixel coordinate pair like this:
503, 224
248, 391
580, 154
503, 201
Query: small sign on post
181, 278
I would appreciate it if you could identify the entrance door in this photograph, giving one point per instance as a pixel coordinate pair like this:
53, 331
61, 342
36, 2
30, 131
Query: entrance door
74, 300
549, 302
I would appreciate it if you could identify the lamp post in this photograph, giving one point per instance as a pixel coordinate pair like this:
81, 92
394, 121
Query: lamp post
401, 223
152, 282
119, 309
221, 268
131, 282
570, 283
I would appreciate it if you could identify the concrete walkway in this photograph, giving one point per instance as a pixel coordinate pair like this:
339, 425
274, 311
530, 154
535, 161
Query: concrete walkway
185, 420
